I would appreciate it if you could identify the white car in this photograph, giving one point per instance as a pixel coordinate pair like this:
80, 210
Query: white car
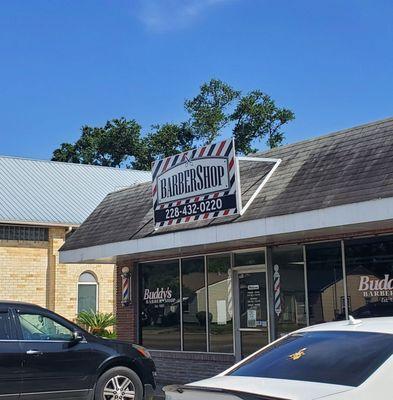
346, 360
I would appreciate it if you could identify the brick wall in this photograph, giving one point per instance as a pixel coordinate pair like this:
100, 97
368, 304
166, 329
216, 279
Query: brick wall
127, 316
183, 367
67, 276
30, 271
23, 268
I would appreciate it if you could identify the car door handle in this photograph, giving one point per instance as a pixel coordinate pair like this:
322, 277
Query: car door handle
34, 353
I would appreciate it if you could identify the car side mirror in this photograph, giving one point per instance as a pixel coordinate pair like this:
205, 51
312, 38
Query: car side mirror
76, 338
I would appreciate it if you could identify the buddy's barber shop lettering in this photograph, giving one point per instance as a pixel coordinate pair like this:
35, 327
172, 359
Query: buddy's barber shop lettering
159, 295
376, 287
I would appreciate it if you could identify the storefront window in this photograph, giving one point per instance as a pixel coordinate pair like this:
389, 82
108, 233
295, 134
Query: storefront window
250, 258
160, 305
288, 289
194, 304
220, 303
369, 270
206, 283
325, 282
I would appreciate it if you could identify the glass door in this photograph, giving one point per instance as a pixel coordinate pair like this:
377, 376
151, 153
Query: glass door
253, 318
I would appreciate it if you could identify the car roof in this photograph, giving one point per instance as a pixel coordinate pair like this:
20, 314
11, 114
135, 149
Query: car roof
375, 325
13, 303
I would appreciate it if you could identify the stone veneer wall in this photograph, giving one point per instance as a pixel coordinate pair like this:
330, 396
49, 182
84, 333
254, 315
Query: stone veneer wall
30, 271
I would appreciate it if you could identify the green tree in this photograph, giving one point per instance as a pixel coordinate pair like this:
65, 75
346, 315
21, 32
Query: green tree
218, 110
163, 141
208, 110
250, 118
256, 116
111, 145
66, 153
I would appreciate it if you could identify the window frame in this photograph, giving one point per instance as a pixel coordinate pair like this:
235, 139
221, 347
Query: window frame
231, 254
342, 240
344, 298
140, 301
182, 330
22, 233
97, 286
346, 244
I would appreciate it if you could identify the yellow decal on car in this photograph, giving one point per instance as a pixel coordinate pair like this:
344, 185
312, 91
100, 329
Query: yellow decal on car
298, 354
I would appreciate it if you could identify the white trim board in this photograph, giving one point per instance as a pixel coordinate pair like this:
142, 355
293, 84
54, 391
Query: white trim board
348, 214
276, 161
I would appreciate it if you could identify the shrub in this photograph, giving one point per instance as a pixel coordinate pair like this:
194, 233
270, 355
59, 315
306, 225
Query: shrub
97, 323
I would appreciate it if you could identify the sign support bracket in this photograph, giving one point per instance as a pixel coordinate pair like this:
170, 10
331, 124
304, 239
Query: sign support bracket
276, 161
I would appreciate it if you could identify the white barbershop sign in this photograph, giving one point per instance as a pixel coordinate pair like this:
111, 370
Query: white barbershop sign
195, 185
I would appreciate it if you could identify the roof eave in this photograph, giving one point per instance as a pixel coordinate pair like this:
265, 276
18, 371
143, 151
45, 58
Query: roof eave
48, 224
337, 216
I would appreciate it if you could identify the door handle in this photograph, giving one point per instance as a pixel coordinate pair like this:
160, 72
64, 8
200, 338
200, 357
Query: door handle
34, 353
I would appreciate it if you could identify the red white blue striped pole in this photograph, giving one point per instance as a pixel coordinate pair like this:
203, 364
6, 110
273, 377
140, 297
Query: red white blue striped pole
277, 290
125, 286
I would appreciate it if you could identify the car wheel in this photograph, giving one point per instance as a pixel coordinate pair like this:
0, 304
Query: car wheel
119, 383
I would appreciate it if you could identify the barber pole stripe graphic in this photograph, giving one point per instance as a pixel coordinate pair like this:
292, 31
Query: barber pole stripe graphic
225, 150
125, 293
277, 290
229, 294
222, 149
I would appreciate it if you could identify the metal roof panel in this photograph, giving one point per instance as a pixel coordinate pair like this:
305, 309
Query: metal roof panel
49, 192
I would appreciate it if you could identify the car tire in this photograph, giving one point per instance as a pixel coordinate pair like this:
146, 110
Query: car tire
120, 382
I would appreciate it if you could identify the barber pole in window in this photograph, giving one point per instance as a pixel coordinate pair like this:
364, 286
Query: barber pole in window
277, 290
199, 184
229, 294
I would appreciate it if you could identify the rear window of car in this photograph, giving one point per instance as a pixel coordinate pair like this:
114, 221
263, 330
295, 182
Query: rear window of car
5, 328
340, 358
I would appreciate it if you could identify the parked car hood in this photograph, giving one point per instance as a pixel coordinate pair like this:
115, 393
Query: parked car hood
114, 341
274, 388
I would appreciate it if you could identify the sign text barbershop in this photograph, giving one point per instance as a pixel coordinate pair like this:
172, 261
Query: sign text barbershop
199, 184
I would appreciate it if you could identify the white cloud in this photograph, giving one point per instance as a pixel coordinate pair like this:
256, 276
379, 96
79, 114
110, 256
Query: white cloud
166, 15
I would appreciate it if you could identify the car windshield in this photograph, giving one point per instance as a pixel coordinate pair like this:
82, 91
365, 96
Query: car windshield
340, 358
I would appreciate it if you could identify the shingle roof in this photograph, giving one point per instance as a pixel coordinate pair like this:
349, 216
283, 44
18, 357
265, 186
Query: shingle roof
344, 167
50, 192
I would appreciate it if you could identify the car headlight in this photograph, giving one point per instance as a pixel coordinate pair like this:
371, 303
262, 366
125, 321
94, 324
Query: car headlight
142, 351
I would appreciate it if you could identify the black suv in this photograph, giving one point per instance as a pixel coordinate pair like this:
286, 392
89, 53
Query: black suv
44, 356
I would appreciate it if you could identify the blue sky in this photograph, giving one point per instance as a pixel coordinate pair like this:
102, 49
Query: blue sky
67, 63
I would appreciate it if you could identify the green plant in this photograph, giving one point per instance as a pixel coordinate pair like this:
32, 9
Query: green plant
97, 323
109, 335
